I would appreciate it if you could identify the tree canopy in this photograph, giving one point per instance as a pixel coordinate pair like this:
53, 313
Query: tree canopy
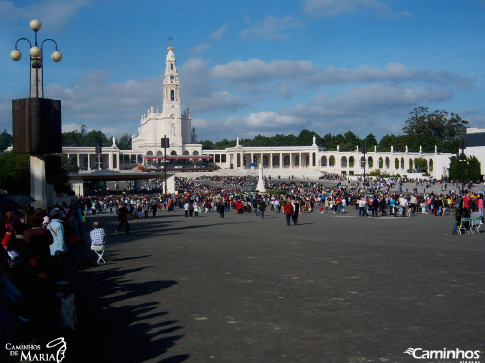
5, 140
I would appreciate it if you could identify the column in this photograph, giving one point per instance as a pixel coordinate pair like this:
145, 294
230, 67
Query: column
301, 161
110, 161
78, 163
281, 160
89, 162
252, 158
271, 160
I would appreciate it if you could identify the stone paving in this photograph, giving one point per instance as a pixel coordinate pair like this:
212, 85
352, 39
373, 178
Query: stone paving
334, 288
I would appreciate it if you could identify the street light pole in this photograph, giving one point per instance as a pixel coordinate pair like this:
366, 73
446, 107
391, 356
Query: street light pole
463, 161
36, 60
36, 121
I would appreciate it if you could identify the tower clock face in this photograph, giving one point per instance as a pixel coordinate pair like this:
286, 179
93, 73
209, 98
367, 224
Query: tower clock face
172, 78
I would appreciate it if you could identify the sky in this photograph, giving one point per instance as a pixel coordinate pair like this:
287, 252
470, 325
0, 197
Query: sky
254, 66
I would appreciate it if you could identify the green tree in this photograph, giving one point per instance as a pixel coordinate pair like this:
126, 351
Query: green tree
306, 137
473, 168
15, 172
207, 145
370, 140
5, 140
469, 166
124, 142
436, 128
421, 165
68, 165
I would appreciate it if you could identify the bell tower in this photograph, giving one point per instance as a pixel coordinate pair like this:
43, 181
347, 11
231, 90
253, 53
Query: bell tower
171, 100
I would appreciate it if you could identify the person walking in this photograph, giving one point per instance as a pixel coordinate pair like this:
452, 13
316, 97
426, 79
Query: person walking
288, 211
262, 208
123, 219
296, 211
220, 209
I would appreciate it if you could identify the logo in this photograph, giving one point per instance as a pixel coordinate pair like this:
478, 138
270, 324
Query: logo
464, 356
54, 351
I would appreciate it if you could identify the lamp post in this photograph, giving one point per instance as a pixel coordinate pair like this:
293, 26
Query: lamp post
165, 143
463, 162
36, 121
364, 150
99, 150
36, 59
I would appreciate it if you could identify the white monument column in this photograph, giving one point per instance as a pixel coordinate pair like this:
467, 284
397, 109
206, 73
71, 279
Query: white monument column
260, 187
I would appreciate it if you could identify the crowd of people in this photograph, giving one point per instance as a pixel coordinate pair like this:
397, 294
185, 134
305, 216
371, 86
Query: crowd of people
36, 242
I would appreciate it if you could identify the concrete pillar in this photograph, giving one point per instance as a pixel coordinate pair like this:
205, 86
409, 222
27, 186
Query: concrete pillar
281, 160
89, 162
40, 190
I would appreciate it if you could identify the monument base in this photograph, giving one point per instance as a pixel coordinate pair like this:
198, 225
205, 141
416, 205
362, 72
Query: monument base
42, 191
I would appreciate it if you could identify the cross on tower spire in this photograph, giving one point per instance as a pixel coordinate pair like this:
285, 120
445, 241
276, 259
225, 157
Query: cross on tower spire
170, 48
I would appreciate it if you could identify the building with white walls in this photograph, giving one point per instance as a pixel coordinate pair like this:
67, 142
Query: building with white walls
175, 125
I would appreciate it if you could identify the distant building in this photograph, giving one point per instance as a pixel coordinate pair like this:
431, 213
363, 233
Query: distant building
475, 145
183, 151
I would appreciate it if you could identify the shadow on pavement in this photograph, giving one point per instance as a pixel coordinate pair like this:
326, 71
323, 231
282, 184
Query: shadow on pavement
119, 317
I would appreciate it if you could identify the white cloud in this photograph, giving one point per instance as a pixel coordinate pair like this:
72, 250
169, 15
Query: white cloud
306, 72
331, 8
199, 91
260, 71
200, 48
54, 13
96, 102
218, 34
271, 28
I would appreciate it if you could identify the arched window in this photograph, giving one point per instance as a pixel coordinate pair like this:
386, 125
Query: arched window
370, 162
430, 164
173, 152
331, 161
186, 152
172, 95
159, 153
195, 152
362, 162
343, 162
410, 164
381, 163
402, 163
351, 162
149, 153
396, 163
323, 161
388, 162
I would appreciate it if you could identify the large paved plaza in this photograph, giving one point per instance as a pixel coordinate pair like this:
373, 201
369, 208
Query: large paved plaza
335, 288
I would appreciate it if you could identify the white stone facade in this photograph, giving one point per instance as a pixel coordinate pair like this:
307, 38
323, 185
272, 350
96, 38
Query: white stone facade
307, 160
285, 160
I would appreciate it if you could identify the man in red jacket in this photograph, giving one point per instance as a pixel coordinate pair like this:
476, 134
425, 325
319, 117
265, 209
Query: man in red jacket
288, 210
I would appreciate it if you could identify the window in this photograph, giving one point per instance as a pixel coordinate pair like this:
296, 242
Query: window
172, 95
171, 66
343, 162
323, 161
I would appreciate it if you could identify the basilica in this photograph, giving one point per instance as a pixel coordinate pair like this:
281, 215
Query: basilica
168, 136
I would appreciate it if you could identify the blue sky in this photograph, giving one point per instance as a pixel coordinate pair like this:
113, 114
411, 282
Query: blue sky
253, 67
